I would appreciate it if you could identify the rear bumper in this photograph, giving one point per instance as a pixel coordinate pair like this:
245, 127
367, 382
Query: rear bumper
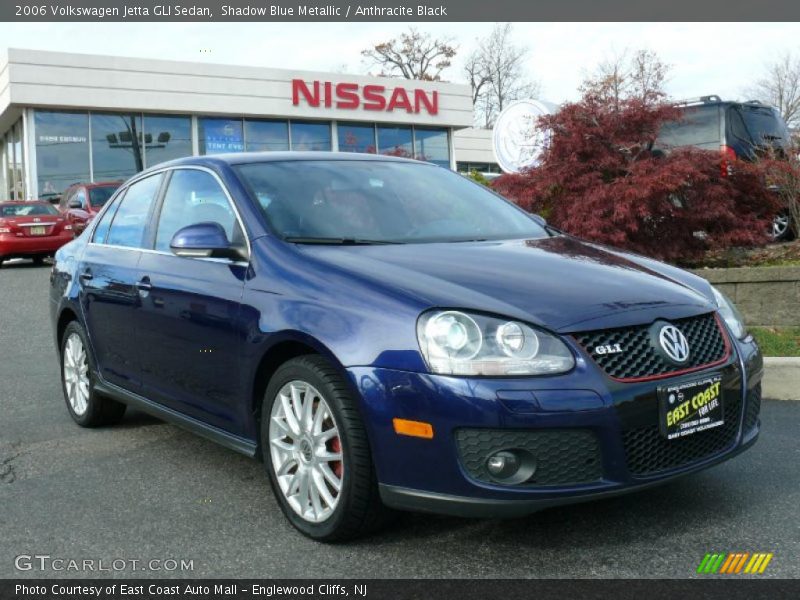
445, 474
20, 247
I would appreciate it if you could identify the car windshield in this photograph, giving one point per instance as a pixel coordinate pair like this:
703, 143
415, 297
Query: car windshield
380, 202
98, 196
26, 209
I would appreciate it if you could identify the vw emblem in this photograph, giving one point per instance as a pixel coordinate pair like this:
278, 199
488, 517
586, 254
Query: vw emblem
674, 343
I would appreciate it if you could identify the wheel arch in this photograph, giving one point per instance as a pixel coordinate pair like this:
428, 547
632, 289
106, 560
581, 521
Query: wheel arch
65, 317
281, 348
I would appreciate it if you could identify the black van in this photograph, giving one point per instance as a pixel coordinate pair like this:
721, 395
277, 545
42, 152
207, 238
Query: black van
738, 129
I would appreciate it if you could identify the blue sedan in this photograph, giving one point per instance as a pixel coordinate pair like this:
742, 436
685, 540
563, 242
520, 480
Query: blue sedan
385, 334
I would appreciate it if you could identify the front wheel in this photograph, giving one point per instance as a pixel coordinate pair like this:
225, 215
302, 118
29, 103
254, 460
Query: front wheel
316, 453
86, 407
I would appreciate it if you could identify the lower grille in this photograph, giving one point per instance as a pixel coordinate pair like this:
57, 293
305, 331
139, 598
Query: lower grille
562, 457
753, 408
648, 452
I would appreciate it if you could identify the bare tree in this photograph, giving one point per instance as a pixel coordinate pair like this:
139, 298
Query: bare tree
497, 74
640, 74
414, 55
780, 87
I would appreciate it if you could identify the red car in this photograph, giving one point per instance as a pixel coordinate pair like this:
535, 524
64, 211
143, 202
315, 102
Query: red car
31, 229
82, 201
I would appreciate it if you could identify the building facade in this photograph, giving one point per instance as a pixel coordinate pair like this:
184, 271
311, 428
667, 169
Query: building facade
67, 118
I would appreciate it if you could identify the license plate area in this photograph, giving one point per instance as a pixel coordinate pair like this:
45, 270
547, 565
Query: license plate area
689, 407
38, 230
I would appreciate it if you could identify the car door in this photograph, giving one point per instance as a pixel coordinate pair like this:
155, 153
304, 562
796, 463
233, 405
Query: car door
189, 333
108, 279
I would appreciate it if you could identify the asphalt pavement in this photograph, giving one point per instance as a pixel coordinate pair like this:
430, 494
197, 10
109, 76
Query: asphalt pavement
145, 490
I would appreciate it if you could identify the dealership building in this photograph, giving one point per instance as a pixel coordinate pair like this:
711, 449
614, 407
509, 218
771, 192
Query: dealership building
67, 118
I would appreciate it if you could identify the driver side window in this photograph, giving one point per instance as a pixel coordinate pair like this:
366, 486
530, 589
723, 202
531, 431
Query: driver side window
193, 197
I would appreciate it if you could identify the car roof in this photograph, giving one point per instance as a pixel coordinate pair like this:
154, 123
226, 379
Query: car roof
239, 158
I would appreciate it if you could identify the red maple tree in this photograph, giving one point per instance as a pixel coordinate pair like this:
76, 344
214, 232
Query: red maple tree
601, 179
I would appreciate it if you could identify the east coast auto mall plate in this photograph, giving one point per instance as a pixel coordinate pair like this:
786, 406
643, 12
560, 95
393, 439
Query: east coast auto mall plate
691, 406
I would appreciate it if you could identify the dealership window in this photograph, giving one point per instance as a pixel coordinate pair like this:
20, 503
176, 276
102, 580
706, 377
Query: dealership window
62, 150
395, 141
432, 145
310, 135
356, 137
3, 171
117, 145
166, 137
219, 136
467, 167
263, 136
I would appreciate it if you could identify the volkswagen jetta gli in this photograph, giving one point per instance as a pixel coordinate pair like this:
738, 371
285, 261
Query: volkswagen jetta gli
386, 334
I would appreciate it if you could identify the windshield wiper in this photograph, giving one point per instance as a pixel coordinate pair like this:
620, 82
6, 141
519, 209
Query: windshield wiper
338, 241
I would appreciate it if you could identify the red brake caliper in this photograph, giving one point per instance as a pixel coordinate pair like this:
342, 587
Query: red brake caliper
336, 446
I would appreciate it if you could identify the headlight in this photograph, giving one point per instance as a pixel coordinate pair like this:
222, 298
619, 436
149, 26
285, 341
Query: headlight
729, 314
457, 343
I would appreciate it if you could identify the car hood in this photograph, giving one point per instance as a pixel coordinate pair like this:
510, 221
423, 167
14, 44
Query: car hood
559, 282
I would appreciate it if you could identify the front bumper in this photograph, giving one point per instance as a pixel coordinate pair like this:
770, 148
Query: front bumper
440, 474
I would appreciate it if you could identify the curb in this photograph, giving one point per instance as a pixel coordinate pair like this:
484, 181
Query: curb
781, 378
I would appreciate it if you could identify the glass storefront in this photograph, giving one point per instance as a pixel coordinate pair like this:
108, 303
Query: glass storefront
83, 146
396, 141
166, 138
266, 136
432, 145
117, 145
311, 135
220, 136
357, 137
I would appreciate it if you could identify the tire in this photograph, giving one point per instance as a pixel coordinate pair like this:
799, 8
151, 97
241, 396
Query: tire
38, 260
85, 405
357, 509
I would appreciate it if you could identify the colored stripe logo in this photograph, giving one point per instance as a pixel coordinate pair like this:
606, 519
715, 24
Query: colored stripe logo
734, 563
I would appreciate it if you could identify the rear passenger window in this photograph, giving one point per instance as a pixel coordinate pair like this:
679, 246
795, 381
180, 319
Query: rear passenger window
101, 230
193, 197
130, 220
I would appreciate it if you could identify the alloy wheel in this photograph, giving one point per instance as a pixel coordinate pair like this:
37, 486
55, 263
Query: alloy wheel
780, 226
76, 374
306, 451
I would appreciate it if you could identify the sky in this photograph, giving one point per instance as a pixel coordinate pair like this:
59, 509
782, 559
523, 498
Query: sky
706, 58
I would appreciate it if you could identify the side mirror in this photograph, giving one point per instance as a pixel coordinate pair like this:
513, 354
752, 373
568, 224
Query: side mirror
204, 240
539, 219
75, 204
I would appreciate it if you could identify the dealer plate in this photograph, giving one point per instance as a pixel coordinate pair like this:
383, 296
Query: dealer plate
689, 407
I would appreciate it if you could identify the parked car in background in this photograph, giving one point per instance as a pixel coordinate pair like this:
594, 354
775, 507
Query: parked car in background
32, 230
80, 202
739, 130
385, 333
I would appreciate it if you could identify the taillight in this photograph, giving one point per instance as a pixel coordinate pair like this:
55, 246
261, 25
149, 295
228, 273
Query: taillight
4, 227
728, 156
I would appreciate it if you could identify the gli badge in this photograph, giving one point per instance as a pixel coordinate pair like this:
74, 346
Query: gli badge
608, 349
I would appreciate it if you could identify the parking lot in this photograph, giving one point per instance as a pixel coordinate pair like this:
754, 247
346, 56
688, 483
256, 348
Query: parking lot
146, 490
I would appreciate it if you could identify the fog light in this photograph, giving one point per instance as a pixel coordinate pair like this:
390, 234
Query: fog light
503, 464
511, 467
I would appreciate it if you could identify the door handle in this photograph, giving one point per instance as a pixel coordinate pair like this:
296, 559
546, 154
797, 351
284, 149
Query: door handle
144, 285
86, 275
